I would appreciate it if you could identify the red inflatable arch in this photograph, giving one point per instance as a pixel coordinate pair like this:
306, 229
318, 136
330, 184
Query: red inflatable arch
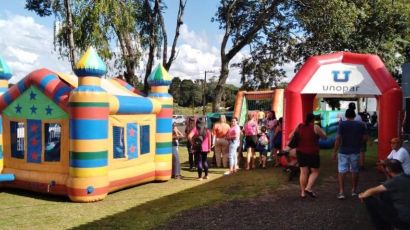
345, 74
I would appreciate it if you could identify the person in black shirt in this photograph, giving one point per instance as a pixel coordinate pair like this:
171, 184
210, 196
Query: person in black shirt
392, 208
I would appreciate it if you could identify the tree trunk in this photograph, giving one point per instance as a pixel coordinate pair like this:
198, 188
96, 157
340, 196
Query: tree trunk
164, 38
247, 37
129, 75
219, 90
151, 14
148, 69
180, 21
128, 52
70, 34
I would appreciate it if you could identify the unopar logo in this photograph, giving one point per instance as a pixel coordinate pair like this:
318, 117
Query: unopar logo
344, 77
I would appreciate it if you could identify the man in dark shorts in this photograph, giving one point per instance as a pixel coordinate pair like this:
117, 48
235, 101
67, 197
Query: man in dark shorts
392, 208
350, 137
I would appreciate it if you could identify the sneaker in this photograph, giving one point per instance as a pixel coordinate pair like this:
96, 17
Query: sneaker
227, 173
199, 179
205, 177
341, 196
354, 194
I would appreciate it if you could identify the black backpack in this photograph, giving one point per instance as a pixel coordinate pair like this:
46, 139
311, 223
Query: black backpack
197, 143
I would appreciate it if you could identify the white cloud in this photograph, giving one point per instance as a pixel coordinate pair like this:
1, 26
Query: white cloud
196, 55
27, 45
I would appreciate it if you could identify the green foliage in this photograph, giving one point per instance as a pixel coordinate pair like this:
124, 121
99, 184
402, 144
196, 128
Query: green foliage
119, 30
298, 29
378, 27
42, 8
174, 89
248, 23
230, 96
185, 93
190, 94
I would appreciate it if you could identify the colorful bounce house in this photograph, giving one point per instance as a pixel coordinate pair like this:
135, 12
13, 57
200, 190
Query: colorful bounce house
345, 74
83, 137
329, 121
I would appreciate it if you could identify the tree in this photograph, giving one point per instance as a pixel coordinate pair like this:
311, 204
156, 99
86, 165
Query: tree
230, 96
242, 20
130, 24
186, 93
63, 12
315, 27
174, 89
153, 32
81, 24
168, 62
378, 27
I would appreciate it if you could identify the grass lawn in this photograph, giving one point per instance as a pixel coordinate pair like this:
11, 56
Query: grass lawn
145, 206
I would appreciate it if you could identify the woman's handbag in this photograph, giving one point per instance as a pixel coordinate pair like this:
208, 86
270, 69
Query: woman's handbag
293, 142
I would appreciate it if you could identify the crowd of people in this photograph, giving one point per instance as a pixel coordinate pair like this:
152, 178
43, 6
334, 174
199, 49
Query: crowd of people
262, 133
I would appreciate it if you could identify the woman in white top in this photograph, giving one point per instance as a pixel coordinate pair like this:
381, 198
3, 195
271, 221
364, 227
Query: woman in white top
233, 136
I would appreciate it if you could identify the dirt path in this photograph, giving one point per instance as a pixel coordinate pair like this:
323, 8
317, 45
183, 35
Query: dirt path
283, 209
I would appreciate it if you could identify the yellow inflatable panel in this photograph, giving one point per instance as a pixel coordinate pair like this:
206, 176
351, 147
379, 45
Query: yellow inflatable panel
98, 181
88, 172
88, 145
39, 177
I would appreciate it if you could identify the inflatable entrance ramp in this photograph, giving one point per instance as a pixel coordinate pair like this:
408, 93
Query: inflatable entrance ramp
258, 101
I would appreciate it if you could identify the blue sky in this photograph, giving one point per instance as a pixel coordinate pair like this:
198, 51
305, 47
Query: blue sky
26, 41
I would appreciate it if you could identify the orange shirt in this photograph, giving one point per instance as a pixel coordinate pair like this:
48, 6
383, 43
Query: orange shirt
220, 130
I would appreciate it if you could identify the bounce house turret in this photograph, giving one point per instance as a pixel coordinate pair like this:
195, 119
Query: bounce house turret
160, 80
5, 75
89, 110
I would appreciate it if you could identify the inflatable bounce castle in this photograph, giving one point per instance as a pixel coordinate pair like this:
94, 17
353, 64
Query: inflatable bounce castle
83, 137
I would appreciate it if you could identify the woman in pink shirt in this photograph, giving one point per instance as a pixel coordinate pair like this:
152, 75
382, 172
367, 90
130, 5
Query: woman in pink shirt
200, 138
251, 138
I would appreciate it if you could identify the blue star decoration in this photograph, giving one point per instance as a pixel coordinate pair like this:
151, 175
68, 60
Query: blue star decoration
32, 95
33, 109
18, 108
49, 110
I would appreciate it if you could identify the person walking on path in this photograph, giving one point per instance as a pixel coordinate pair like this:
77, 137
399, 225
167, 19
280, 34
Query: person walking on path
363, 149
189, 126
349, 139
200, 138
220, 142
176, 165
233, 136
307, 153
392, 208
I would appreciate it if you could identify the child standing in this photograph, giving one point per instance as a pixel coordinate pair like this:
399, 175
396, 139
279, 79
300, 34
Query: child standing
263, 146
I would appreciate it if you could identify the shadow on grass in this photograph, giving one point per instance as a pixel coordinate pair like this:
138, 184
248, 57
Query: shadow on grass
156, 212
35, 195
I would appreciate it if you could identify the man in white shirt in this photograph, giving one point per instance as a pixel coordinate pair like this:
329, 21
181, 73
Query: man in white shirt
399, 153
